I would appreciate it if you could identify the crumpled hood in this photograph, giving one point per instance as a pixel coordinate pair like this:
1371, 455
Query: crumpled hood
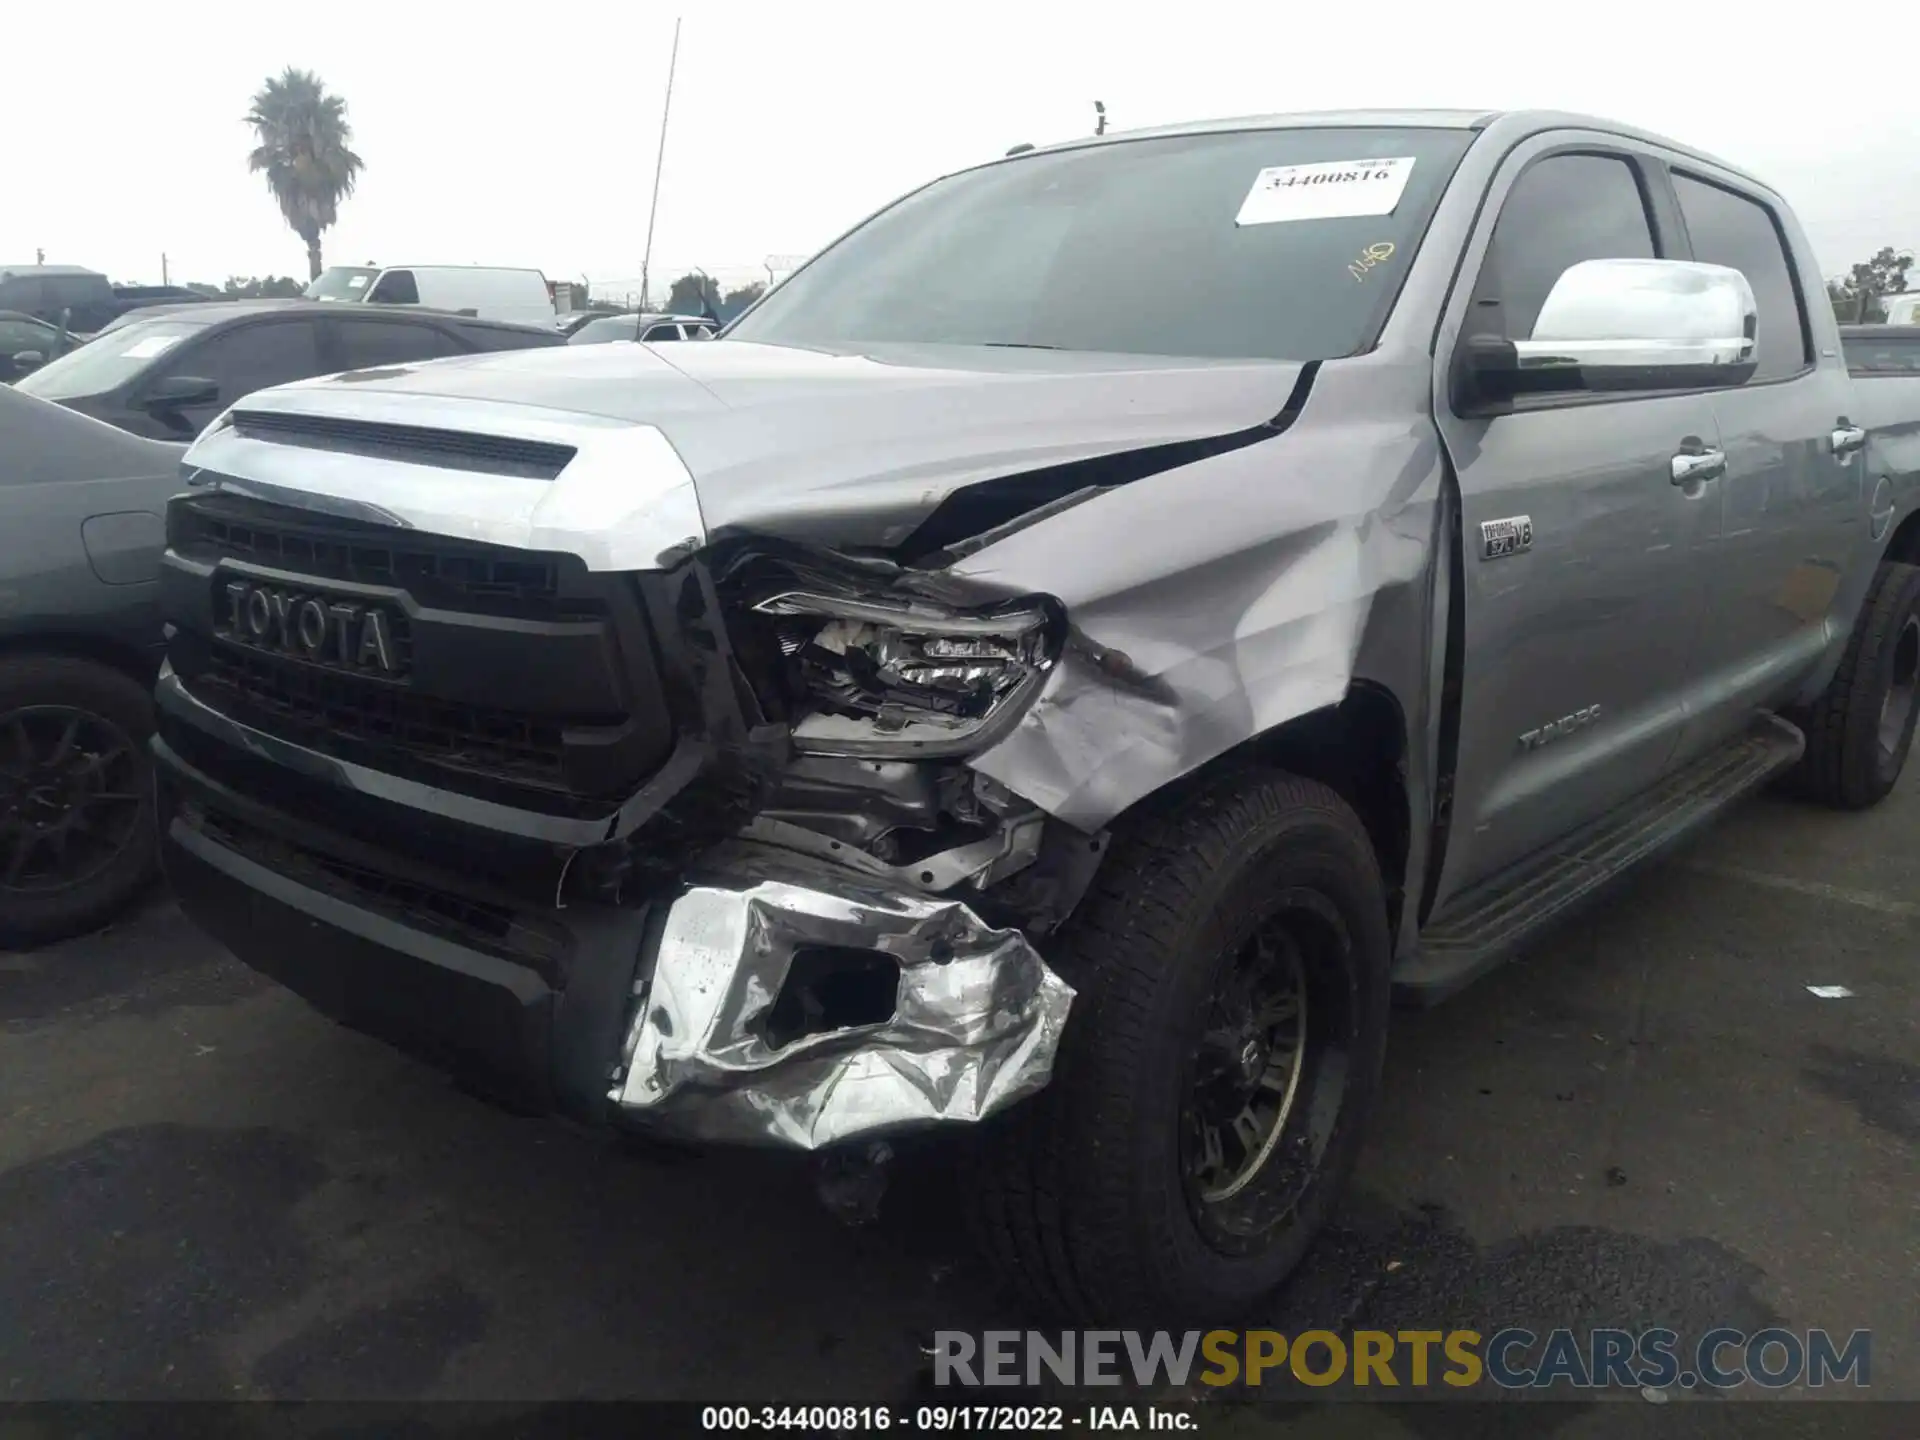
852, 449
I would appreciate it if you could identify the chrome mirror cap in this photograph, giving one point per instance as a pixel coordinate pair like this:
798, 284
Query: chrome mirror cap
1646, 324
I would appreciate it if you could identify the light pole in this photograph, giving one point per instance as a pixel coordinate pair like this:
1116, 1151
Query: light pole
646, 259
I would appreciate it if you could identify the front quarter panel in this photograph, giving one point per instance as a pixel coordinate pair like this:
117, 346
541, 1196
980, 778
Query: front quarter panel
50, 589
1217, 601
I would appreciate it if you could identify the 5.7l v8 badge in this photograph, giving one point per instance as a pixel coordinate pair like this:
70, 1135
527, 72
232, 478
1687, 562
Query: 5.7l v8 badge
1505, 537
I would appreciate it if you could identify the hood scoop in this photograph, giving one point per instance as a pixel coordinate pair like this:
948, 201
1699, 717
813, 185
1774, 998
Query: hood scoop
410, 444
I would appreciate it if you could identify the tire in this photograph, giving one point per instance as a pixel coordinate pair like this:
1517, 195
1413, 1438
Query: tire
1086, 1198
73, 853
1860, 730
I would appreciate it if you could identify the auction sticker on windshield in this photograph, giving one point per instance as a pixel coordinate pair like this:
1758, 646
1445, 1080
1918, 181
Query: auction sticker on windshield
1327, 190
149, 347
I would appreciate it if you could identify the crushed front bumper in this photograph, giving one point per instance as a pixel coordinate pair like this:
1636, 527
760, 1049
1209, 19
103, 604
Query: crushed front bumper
681, 1018
975, 1015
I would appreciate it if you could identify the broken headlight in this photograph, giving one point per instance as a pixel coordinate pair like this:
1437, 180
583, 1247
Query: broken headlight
911, 678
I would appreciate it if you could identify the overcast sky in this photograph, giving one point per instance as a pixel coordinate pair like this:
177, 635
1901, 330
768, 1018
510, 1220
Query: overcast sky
525, 135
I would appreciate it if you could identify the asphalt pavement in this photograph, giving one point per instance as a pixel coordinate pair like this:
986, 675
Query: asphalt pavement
208, 1191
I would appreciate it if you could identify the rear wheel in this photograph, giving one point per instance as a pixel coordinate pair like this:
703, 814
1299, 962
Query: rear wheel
1860, 730
1217, 1069
76, 796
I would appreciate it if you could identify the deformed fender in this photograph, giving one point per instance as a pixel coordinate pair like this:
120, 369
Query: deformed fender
1214, 602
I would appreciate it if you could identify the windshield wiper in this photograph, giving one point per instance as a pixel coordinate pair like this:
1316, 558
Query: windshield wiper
1016, 345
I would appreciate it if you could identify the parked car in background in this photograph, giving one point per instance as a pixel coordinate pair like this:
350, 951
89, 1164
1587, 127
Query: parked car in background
167, 375
85, 298
1902, 309
518, 297
81, 534
27, 343
47, 292
648, 328
1881, 349
572, 320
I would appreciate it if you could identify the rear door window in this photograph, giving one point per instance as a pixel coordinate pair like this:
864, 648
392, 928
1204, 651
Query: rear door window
1729, 229
662, 332
1882, 354
370, 344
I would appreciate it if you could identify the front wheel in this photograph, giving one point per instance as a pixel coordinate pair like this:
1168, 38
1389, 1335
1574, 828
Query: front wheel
76, 796
1217, 1070
1861, 728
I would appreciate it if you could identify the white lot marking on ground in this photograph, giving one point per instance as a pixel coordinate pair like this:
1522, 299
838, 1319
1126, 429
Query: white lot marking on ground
1829, 992
1862, 899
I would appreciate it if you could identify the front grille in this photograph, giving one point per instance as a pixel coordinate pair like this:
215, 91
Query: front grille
415, 444
438, 572
494, 928
311, 703
518, 676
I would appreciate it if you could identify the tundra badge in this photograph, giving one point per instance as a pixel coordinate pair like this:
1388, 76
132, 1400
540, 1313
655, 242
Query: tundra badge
1505, 537
1565, 725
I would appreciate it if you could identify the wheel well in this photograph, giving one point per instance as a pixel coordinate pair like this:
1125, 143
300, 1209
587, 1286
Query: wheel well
1905, 544
129, 660
1357, 749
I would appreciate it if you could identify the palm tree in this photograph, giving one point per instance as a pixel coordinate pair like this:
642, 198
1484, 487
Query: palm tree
303, 135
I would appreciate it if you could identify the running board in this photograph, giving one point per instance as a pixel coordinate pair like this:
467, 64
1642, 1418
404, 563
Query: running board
1490, 923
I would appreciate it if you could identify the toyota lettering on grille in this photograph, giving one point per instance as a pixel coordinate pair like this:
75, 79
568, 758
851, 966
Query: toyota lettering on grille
313, 627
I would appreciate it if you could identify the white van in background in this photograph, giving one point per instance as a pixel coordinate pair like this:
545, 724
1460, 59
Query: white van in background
1902, 309
486, 292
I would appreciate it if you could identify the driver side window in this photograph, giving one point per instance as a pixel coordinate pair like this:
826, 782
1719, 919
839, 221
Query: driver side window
1562, 210
246, 358
396, 287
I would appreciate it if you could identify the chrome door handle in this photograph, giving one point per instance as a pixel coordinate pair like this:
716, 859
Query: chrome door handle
1692, 465
1847, 438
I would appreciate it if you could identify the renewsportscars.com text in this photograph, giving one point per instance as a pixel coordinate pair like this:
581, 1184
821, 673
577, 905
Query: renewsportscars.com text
1512, 1359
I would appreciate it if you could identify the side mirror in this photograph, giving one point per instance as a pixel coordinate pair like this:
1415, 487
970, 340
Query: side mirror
181, 392
1611, 325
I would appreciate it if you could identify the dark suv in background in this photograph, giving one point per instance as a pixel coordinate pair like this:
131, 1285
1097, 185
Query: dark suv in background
84, 300
167, 372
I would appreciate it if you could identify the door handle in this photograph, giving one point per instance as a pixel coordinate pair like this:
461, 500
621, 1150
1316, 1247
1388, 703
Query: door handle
1702, 464
1847, 438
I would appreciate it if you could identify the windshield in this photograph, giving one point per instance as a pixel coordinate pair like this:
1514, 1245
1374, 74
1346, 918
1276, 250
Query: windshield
341, 282
107, 361
1269, 244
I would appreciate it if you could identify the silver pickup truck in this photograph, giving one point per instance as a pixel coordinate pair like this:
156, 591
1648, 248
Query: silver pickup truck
1057, 666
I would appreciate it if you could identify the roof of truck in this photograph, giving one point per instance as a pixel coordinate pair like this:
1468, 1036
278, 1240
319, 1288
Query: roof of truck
9, 271
1517, 122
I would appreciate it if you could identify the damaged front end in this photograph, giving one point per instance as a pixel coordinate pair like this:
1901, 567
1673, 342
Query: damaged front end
794, 1004
860, 959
